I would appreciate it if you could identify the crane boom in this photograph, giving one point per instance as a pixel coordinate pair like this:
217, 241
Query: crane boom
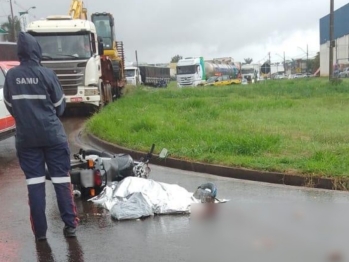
77, 10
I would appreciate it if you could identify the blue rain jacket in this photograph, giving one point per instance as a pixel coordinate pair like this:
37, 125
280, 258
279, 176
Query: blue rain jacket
34, 97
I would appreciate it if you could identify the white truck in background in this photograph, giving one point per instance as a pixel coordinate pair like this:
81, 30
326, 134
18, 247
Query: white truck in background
250, 72
132, 74
150, 75
190, 71
79, 75
84, 54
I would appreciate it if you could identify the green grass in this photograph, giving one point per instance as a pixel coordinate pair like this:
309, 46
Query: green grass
295, 126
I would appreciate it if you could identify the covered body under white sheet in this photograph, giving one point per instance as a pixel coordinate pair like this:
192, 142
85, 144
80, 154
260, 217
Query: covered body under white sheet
135, 197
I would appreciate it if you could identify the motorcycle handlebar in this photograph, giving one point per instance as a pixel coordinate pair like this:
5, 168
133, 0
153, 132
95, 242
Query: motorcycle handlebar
87, 152
150, 153
152, 149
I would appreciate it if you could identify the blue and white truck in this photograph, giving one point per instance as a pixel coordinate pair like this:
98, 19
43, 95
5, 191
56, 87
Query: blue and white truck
194, 71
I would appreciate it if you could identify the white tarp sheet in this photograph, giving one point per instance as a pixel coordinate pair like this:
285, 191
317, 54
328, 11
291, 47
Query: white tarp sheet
135, 197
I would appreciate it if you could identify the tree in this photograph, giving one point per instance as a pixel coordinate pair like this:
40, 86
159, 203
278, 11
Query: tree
248, 60
176, 58
13, 27
316, 62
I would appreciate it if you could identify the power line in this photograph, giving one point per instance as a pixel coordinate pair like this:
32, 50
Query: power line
23, 8
15, 2
263, 59
13, 24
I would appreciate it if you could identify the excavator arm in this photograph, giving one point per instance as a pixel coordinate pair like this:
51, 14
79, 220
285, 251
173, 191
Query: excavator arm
77, 10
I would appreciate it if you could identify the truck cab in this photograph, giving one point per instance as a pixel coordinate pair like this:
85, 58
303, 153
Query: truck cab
190, 72
70, 48
133, 75
250, 72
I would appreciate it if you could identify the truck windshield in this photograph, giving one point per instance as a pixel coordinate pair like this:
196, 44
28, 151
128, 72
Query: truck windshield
247, 71
102, 23
130, 72
184, 70
64, 46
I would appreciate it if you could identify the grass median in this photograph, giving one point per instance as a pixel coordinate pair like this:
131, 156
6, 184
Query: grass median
295, 126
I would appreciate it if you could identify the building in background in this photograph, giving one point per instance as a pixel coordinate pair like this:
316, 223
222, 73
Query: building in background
341, 37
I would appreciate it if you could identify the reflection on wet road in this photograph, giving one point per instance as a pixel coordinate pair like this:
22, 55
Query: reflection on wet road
262, 222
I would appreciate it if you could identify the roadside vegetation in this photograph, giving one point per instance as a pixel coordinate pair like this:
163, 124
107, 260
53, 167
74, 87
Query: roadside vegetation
297, 126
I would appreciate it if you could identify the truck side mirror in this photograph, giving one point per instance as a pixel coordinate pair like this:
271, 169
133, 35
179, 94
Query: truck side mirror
100, 46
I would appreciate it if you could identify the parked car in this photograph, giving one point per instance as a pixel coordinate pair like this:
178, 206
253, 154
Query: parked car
345, 73
223, 80
7, 122
308, 75
298, 75
261, 78
280, 76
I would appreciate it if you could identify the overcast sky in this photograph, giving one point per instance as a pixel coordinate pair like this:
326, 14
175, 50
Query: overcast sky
160, 29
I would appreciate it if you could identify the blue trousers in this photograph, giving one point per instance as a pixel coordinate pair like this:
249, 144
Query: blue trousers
57, 159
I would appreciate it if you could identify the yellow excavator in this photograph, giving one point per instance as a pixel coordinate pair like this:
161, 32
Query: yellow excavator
112, 49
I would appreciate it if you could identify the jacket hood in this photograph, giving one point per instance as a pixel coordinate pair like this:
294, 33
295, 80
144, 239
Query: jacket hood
28, 48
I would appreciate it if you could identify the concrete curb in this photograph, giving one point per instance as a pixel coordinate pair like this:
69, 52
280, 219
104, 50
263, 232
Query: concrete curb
237, 173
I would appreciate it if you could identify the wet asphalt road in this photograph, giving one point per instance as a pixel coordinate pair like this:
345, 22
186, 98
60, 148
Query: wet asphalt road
262, 222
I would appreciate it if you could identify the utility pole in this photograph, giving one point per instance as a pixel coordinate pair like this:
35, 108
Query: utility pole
12, 24
270, 65
24, 20
284, 64
307, 59
137, 70
336, 45
22, 17
331, 40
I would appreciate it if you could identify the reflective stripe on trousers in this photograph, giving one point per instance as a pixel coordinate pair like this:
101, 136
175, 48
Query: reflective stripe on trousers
32, 162
36, 180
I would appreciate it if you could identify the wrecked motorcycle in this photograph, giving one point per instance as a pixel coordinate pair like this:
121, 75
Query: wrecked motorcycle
91, 170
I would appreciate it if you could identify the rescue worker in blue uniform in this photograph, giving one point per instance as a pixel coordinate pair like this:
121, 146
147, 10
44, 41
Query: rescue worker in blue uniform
34, 97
